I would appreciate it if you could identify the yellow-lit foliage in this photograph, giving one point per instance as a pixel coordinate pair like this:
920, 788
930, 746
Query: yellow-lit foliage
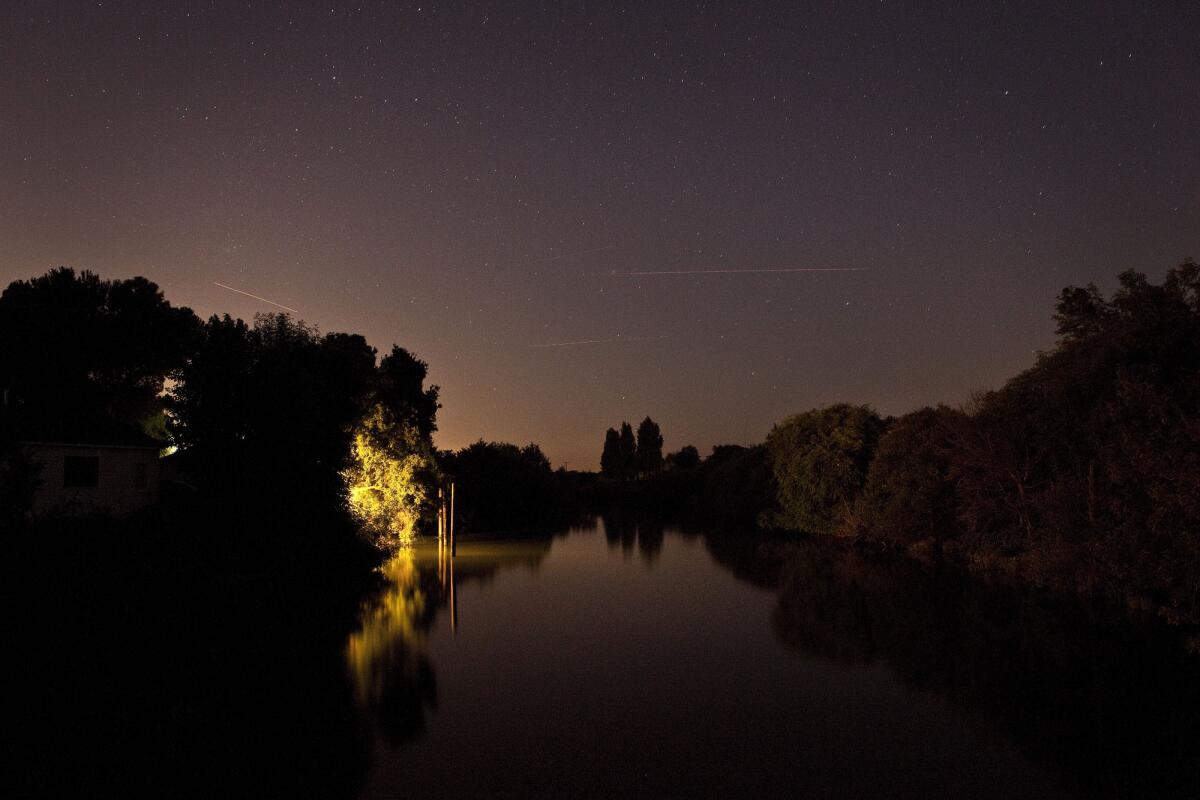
387, 480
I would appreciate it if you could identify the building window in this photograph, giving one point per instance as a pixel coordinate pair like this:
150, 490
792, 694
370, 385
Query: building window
141, 476
81, 472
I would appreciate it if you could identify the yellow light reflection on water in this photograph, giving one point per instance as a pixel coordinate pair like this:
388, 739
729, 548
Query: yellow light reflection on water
390, 643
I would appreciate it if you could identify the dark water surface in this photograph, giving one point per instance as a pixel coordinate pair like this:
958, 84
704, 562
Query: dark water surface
613, 660
625, 661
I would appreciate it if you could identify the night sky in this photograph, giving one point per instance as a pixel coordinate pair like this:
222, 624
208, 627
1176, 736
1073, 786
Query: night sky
465, 180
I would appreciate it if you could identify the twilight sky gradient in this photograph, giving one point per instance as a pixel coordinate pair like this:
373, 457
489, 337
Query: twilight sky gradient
464, 178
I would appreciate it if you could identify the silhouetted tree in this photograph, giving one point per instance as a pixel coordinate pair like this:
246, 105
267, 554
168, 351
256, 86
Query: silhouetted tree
649, 448
819, 460
610, 458
78, 346
500, 486
737, 484
685, 458
402, 391
265, 412
628, 451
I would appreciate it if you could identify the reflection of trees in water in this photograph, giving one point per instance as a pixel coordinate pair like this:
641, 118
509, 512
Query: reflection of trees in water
627, 530
393, 676
1114, 706
388, 658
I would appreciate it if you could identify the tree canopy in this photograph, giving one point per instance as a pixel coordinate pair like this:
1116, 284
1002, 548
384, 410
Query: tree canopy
625, 456
610, 458
628, 451
400, 387
685, 458
500, 486
389, 477
819, 460
649, 448
77, 345
909, 495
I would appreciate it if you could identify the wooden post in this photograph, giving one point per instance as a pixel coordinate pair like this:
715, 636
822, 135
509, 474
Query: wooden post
453, 543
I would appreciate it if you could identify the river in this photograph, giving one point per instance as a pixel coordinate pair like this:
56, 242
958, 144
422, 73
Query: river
624, 660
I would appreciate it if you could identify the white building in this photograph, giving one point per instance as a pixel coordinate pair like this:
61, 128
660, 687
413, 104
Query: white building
117, 472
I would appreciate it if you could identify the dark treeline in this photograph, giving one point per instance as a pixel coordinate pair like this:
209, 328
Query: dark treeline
271, 420
503, 488
624, 457
262, 415
206, 647
198, 647
1081, 473
730, 487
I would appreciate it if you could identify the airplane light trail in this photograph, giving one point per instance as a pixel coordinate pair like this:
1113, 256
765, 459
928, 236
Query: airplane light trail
600, 341
737, 271
256, 297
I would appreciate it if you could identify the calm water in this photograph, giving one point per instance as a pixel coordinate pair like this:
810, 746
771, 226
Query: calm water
624, 661
614, 660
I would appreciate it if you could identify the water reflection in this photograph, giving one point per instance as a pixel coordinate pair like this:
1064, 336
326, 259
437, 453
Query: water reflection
388, 655
390, 667
1109, 707
619, 675
626, 530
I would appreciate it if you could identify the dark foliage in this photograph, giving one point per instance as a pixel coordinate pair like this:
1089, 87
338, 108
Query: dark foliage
78, 345
400, 386
625, 457
503, 487
649, 448
819, 460
628, 451
730, 488
908, 496
1083, 472
610, 458
1088, 464
738, 485
263, 412
686, 457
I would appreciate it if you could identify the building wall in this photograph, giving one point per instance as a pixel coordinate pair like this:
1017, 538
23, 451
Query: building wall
116, 490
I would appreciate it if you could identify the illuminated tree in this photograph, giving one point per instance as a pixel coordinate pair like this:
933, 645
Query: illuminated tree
387, 482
